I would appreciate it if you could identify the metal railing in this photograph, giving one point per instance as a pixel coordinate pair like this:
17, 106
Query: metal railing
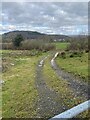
73, 111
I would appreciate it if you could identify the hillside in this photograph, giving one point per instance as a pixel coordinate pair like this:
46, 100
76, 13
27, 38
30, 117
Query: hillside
31, 35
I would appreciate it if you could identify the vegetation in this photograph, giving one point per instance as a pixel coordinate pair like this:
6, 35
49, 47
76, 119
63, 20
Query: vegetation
75, 62
80, 43
75, 58
19, 94
66, 94
38, 45
17, 41
28, 35
19, 81
7, 46
6, 57
29, 45
61, 45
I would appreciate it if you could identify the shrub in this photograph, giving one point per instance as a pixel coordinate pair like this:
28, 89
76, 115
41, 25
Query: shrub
17, 40
31, 45
87, 50
63, 54
38, 45
79, 43
76, 54
71, 55
7, 46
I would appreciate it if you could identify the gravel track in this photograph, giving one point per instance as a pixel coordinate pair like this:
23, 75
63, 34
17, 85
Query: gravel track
47, 105
79, 88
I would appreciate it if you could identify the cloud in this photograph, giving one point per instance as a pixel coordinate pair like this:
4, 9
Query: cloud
45, 1
48, 17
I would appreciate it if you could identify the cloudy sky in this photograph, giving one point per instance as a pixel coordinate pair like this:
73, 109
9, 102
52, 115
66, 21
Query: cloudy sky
46, 17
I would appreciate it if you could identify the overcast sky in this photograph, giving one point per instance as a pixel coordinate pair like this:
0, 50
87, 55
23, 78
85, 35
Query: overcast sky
46, 17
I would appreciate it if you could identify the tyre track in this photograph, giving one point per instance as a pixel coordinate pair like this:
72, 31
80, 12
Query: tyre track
47, 106
79, 88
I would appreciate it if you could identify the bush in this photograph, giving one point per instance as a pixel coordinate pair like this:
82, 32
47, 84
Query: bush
17, 41
7, 46
35, 53
79, 43
71, 55
87, 50
76, 54
31, 45
62, 54
38, 45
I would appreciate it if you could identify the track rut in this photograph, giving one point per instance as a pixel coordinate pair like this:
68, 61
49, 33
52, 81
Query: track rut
47, 105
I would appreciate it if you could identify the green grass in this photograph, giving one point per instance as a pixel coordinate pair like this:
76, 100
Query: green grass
0, 101
61, 45
19, 94
61, 87
76, 65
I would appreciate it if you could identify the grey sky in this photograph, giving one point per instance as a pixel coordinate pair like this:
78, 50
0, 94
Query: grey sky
46, 17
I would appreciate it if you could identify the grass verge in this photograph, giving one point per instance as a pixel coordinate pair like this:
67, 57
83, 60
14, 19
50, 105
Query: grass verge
19, 94
66, 95
76, 65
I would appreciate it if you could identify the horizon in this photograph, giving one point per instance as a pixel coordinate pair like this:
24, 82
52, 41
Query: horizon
39, 32
64, 18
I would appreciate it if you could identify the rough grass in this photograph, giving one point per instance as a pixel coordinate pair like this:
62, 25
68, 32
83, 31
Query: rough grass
61, 45
19, 94
61, 87
76, 65
0, 101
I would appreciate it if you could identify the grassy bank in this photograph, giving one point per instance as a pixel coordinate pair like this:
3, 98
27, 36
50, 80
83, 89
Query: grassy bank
19, 94
66, 95
77, 65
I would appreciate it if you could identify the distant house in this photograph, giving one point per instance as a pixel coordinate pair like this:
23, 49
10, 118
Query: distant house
56, 40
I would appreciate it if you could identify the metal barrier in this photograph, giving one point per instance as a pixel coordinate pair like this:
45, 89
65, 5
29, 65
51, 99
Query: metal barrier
73, 111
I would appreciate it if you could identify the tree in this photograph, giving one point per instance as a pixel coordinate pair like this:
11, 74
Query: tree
17, 40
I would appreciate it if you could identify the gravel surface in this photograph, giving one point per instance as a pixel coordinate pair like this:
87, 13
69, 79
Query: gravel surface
78, 86
47, 105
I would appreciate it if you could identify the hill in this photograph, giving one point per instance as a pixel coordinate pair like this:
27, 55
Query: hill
28, 35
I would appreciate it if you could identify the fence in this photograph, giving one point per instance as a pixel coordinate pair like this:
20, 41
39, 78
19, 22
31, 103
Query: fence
73, 111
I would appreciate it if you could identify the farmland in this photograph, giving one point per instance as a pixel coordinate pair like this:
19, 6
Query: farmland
61, 45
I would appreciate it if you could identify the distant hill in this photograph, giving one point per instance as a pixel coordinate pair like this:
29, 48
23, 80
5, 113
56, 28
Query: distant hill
28, 35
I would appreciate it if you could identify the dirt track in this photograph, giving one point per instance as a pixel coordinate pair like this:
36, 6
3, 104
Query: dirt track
47, 105
79, 88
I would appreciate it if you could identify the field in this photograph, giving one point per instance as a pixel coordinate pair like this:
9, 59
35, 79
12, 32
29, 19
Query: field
19, 93
61, 45
44, 61
27, 86
77, 65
